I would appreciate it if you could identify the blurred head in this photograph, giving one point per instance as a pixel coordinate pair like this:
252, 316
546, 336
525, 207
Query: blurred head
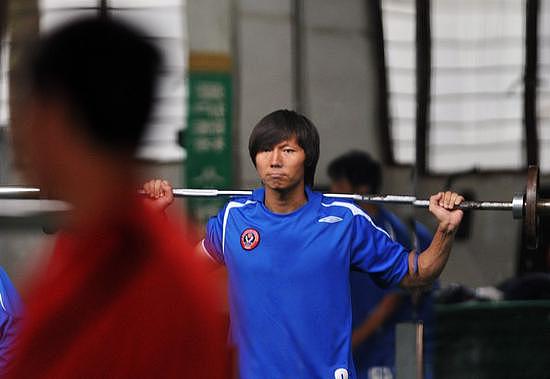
91, 83
287, 126
105, 72
355, 172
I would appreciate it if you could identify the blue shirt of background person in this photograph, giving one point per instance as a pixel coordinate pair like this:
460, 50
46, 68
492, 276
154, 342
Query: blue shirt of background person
375, 310
377, 350
11, 311
424, 309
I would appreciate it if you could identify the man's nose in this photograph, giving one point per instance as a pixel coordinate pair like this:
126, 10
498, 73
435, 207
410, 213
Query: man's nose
275, 158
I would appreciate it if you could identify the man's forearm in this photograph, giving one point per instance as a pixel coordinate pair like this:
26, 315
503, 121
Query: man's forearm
431, 262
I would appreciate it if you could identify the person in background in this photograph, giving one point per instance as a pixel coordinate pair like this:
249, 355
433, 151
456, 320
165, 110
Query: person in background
122, 295
11, 313
376, 311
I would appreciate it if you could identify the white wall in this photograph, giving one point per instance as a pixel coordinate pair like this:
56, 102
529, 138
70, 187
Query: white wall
265, 71
340, 78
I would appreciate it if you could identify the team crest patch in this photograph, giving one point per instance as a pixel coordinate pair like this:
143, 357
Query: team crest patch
250, 238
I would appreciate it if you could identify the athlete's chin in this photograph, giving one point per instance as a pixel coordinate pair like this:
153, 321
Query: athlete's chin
277, 186
280, 185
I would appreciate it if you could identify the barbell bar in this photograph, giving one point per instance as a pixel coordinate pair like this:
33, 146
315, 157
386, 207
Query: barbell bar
516, 204
526, 206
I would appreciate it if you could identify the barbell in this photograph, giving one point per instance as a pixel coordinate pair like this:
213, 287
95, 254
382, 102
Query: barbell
526, 205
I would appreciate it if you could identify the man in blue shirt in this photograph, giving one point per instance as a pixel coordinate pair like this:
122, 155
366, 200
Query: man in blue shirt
375, 310
289, 251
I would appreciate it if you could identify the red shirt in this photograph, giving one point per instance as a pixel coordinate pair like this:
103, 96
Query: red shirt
125, 298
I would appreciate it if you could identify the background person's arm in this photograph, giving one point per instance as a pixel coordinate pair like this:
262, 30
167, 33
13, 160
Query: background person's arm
382, 312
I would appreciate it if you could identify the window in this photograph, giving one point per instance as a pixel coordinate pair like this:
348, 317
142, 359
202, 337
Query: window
476, 111
473, 83
164, 22
543, 91
399, 22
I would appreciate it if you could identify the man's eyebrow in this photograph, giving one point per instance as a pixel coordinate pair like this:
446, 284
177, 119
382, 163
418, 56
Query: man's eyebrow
289, 143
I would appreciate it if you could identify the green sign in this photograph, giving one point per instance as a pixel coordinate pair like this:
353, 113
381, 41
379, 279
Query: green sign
208, 139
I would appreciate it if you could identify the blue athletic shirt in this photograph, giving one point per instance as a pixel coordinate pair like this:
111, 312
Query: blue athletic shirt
289, 285
11, 313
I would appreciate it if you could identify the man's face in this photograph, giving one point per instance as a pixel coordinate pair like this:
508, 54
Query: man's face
282, 167
47, 146
341, 186
37, 140
344, 186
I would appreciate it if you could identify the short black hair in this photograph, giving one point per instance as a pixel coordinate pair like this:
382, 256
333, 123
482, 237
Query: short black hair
282, 125
106, 71
359, 168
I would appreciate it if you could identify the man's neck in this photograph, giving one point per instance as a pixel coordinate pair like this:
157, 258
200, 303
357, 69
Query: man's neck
285, 201
106, 191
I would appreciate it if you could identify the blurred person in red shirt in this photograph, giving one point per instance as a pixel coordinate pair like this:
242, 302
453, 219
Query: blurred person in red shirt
123, 295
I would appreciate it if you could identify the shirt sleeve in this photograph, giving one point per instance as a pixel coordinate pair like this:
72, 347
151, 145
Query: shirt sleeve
213, 240
374, 252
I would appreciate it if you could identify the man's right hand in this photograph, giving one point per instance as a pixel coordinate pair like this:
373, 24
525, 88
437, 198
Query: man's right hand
159, 194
